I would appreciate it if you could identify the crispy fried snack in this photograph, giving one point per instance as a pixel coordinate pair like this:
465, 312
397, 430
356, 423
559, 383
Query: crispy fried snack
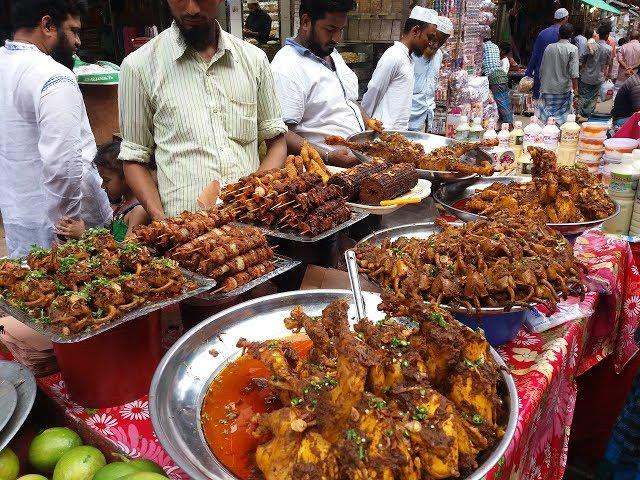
386, 401
556, 194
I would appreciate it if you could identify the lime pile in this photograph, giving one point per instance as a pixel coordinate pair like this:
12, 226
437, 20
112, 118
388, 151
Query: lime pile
58, 454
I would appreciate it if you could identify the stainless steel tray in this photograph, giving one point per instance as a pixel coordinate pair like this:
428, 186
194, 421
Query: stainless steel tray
424, 231
449, 195
429, 142
25, 384
282, 264
183, 377
356, 216
204, 284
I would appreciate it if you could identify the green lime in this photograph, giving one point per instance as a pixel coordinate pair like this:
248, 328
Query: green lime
50, 445
32, 476
9, 465
80, 463
144, 476
114, 470
145, 465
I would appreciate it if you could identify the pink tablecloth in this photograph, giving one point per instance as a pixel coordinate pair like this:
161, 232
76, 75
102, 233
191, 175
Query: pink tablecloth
544, 366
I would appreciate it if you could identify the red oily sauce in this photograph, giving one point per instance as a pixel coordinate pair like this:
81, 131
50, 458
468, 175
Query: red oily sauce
235, 396
461, 204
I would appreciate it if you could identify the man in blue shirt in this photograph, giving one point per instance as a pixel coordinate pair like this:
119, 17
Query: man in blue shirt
545, 38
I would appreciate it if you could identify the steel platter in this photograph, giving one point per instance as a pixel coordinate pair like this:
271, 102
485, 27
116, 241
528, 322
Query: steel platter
450, 196
24, 383
429, 142
186, 371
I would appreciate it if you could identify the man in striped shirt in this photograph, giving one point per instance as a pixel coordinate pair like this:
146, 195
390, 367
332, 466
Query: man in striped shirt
200, 100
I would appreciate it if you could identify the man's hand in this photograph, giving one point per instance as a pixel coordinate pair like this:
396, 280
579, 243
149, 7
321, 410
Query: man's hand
630, 72
342, 157
70, 228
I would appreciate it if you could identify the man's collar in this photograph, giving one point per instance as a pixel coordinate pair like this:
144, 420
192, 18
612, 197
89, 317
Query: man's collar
179, 45
16, 46
305, 52
402, 47
563, 40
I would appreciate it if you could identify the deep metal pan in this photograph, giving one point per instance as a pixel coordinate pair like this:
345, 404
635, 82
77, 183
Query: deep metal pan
429, 142
204, 284
449, 195
183, 377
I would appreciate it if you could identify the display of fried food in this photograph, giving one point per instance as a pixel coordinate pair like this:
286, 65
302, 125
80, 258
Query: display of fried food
165, 234
388, 184
396, 148
375, 125
502, 263
350, 180
83, 284
555, 194
385, 400
295, 197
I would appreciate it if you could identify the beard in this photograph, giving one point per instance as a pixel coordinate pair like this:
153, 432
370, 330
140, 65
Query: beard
198, 37
63, 53
316, 48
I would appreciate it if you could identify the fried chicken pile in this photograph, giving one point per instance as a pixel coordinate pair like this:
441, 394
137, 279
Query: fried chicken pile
396, 148
390, 400
500, 263
82, 285
556, 194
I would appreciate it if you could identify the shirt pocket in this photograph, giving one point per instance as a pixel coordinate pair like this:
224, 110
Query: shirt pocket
242, 121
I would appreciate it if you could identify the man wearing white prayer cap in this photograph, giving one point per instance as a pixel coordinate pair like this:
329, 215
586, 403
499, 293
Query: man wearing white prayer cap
426, 75
388, 96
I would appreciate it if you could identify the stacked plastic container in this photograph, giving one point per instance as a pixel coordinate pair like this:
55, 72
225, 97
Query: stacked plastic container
591, 145
614, 149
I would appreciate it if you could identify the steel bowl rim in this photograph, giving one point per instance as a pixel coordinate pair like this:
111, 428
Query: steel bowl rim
438, 194
164, 439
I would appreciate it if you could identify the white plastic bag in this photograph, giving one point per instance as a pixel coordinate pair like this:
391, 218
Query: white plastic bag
606, 91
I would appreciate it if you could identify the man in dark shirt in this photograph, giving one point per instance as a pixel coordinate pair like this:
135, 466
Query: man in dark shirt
627, 101
258, 24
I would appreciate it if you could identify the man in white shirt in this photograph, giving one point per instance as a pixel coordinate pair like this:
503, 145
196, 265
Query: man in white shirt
388, 96
46, 144
426, 75
317, 90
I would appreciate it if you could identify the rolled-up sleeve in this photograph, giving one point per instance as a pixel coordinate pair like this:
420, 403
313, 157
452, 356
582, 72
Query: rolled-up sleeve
136, 116
59, 121
270, 122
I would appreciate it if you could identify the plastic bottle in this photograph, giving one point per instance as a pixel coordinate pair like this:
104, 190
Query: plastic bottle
504, 136
476, 131
569, 136
551, 135
462, 131
516, 139
532, 133
623, 188
490, 133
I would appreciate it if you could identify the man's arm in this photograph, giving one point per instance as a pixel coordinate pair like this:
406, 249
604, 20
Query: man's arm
339, 157
271, 128
536, 58
59, 124
378, 85
276, 153
136, 123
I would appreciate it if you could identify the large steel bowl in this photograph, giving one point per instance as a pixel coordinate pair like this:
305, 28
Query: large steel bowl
449, 195
429, 142
187, 370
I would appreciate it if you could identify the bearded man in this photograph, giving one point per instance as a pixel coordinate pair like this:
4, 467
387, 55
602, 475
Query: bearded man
201, 101
46, 144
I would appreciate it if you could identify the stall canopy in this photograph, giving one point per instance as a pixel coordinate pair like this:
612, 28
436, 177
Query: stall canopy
602, 5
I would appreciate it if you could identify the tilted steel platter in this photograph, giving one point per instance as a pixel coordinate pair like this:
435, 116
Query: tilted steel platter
185, 373
429, 142
449, 197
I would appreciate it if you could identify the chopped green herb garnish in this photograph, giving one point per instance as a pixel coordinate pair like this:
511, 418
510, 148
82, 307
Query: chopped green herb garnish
406, 433
399, 343
39, 252
36, 274
420, 414
439, 318
352, 435
273, 345
477, 419
361, 452
388, 432
314, 402
380, 405
296, 401
397, 252
66, 263
405, 363
98, 313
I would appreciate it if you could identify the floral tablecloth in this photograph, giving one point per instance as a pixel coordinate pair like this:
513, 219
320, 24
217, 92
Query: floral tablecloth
544, 366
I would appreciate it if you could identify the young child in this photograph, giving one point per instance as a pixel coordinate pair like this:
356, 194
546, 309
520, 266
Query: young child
127, 211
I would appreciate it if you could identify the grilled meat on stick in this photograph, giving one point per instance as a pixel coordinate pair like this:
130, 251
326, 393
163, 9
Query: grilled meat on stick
239, 263
239, 279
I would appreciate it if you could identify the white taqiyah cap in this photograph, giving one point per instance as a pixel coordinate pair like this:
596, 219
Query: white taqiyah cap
445, 25
424, 15
561, 13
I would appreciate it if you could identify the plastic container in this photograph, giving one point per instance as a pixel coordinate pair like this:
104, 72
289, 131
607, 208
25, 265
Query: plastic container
516, 139
620, 145
590, 145
476, 131
551, 135
490, 133
498, 329
595, 128
114, 367
462, 130
589, 156
532, 134
623, 188
504, 136
569, 133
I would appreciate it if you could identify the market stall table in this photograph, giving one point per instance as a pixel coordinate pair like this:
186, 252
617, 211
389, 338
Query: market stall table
544, 366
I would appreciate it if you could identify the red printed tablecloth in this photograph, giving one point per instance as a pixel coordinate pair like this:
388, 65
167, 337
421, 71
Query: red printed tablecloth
544, 366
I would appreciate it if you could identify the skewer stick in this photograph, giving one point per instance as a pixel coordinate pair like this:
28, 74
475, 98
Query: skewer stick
218, 290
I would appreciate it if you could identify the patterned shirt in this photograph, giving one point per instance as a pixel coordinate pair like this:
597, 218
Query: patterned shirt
203, 121
490, 58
